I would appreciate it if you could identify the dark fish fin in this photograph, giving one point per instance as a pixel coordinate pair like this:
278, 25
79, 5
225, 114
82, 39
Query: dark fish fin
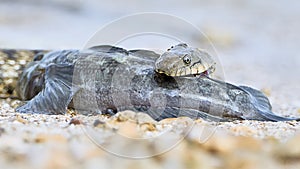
147, 54
56, 95
173, 112
273, 117
108, 49
262, 99
263, 105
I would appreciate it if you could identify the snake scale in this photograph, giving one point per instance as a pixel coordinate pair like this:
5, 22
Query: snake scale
12, 63
107, 79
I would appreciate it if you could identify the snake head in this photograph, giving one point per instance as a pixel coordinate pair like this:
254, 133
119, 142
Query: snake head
182, 60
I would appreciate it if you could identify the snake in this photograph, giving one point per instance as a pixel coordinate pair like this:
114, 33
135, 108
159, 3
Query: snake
12, 63
107, 79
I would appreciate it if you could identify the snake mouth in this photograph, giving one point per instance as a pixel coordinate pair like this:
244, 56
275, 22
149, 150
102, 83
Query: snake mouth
193, 71
207, 72
189, 72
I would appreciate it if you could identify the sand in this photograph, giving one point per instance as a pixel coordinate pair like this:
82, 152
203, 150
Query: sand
132, 139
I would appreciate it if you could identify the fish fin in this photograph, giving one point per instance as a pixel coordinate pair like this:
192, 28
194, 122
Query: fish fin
262, 99
273, 117
174, 112
147, 54
56, 95
108, 49
264, 107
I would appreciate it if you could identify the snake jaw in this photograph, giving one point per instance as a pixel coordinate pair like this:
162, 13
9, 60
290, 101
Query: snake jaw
209, 70
161, 71
191, 71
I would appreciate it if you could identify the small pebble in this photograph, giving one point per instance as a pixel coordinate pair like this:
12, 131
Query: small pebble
21, 119
75, 121
2, 130
98, 123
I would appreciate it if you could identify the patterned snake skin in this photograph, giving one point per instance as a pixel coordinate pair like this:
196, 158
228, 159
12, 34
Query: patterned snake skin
12, 62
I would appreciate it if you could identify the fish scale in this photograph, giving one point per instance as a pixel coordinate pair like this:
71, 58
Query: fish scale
48, 85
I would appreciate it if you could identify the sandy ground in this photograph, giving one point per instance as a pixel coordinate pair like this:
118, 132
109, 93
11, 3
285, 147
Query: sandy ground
256, 44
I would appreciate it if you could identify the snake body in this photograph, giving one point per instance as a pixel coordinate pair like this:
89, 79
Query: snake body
107, 79
12, 63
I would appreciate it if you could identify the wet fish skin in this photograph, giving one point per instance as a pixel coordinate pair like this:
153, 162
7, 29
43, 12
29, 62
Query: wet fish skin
110, 81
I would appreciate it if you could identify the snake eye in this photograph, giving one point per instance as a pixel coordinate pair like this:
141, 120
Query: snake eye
186, 59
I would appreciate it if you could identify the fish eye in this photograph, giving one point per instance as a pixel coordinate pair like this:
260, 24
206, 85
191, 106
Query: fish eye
38, 57
186, 59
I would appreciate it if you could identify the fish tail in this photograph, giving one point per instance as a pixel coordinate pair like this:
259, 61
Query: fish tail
262, 103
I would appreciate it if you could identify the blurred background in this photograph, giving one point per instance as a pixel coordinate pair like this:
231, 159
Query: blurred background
257, 42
